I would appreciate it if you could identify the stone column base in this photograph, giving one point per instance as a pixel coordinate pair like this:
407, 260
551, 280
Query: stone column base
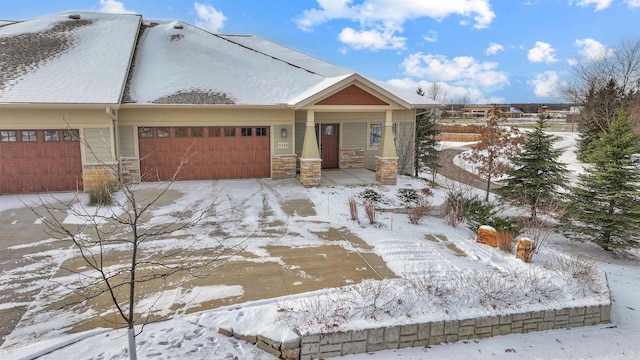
310, 172
283, 166
130, 170
387, 170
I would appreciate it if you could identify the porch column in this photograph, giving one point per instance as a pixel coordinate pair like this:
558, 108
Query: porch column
310, 161
387, 158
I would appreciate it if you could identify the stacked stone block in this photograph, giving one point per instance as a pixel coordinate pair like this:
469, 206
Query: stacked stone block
130, 171
387, 170
283, 166
351, 158
310, 172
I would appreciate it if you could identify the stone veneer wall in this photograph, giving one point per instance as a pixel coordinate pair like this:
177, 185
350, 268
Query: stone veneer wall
310, 172
317, 346
351, 158
387, 170
283, 166
130, 170
96, 174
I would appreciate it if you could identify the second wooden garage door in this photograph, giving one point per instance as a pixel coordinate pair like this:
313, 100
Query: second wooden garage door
207, 152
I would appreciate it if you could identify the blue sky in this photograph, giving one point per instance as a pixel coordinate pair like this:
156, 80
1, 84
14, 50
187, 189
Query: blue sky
488, 51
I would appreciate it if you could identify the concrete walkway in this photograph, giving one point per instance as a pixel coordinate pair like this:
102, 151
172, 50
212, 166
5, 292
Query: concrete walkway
347, 177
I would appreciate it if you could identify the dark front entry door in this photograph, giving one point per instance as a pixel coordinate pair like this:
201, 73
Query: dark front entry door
329, 141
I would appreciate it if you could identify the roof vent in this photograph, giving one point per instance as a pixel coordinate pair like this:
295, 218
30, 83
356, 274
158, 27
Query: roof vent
178, 26
74, 16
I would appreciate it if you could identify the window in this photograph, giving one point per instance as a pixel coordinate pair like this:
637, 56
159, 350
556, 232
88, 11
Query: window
329, 130
51, 135
375, 134
197, 132
145, 132
246, 131
261, 131
215, 132
162, 132
230, 131
70, 135
181, 132
29, 135
8, 136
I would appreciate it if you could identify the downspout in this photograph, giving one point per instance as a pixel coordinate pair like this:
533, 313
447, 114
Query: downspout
116, 140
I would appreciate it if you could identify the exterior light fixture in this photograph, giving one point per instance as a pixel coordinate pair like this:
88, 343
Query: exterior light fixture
283, 133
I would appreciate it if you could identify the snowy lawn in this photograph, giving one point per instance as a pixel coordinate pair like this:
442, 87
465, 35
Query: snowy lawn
431, 253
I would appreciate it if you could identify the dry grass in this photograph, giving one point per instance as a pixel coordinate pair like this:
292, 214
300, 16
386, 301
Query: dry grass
505, 241
353, 208
370, 210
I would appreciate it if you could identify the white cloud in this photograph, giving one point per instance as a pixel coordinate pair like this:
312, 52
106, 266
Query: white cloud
114, 7
459, 71
599, 4
387, 17
454, 93
542, 52
208, 17
633, 3
493, 49
371, 39
545, 84
591, 49
432, 36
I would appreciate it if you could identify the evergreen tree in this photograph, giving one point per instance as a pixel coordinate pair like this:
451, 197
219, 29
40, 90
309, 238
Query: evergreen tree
602, 106
605, 204
427, 153
537, 174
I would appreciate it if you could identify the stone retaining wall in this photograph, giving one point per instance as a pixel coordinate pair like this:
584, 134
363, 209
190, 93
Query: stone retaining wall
317, 346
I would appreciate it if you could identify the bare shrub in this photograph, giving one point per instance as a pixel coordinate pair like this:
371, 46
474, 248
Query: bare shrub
506, 289
353, 208
378, 299
419, 212
578, 271
328, 312
370, 210
431, 287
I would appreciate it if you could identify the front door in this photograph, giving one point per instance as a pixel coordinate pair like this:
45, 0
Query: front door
329, 141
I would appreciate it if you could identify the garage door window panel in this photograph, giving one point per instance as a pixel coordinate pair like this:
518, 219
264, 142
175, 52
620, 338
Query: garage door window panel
8, 136
145, 132
163, 132
51, 135
29, 136
70, 135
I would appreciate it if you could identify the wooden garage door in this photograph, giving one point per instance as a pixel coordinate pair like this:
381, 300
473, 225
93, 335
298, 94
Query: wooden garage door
39, 161
208, 152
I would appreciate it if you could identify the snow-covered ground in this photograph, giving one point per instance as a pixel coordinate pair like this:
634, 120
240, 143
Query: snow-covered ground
406, 251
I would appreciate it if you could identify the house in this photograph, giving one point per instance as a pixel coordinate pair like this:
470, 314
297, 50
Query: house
82, 93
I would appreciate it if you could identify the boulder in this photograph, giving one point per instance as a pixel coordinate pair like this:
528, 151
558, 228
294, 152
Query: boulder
525, 250
487, 235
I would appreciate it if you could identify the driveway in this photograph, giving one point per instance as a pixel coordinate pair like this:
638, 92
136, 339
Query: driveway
280, 247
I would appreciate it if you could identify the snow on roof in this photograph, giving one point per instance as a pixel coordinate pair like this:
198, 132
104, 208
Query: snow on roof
289, 55
86, 58
60, 59
175, 59
6, 22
